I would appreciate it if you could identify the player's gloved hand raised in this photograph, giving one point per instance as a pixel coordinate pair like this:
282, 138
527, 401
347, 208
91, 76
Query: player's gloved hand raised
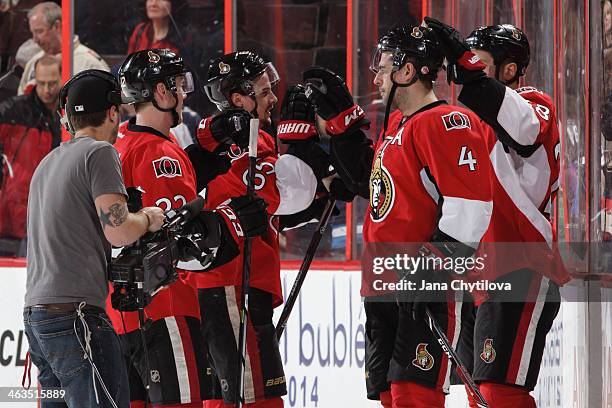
297, 117
463, 65
252, 215
339, 191
218, 133
333, 101
207, 165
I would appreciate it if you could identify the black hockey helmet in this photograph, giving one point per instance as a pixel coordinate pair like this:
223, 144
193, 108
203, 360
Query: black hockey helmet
505, 42
411, 41
236, 72
142, 70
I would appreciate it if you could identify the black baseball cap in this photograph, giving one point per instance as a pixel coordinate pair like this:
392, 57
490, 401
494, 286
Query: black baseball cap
92, 91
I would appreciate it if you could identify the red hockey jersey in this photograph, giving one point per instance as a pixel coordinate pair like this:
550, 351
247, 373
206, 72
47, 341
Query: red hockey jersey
285, 183
525, 182
162, 169
428, 175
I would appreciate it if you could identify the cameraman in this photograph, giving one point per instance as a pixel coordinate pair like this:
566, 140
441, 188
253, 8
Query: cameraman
77, 208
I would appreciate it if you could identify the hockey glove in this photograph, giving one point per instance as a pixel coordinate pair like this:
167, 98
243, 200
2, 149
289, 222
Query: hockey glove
339, 191
311, 153
297, 118
333, 101
229, 127
206, 165
463, 65
251, 214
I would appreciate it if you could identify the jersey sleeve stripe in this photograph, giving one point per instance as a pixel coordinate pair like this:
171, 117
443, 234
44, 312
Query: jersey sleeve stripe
518, 119
465, 220
429, 186
507, 177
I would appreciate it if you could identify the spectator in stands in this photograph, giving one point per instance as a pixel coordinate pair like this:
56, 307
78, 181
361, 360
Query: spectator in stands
29, 129
160, 28
45, 21
167, 25
9, 82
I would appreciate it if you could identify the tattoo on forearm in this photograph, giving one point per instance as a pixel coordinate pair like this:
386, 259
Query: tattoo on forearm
116, 215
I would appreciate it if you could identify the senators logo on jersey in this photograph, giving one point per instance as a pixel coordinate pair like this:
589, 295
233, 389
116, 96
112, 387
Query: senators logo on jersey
382, 191
456, 120
167, 167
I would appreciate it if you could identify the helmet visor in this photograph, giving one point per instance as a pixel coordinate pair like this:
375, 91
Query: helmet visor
383, 60
184, 83
272, 74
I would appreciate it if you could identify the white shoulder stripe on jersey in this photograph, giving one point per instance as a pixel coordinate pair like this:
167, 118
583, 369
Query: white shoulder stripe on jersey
430, 187
296, 184
465, 220
508, 178
518, 118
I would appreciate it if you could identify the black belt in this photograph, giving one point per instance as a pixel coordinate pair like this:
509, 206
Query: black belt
62, 308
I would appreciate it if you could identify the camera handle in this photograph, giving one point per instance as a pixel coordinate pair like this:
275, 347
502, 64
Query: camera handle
141, 318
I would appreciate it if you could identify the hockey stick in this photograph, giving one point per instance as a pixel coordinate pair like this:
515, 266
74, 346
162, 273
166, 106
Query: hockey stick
246, 272
301, 276
462, 372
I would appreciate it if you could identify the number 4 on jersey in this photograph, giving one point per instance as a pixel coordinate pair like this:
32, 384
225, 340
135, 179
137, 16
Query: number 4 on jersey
466, 158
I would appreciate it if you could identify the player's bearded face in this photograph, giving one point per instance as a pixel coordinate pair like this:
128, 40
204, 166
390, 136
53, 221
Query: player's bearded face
487, 59
383, 76
266, 100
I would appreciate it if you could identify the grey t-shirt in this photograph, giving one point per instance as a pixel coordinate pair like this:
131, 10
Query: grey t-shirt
67, 249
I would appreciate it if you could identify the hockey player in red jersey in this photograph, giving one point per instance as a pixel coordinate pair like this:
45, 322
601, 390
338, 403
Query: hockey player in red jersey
423, 179
157, 82
489, 64
241, 85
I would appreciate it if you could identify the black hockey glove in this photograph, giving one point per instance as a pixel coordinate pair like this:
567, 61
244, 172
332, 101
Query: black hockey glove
201, 238
252, 215
339, 191
227, 128
311, 153
206, 165
297, 118
463, 65
333, 101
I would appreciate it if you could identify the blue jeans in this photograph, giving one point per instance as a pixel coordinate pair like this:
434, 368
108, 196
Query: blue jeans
55, 350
